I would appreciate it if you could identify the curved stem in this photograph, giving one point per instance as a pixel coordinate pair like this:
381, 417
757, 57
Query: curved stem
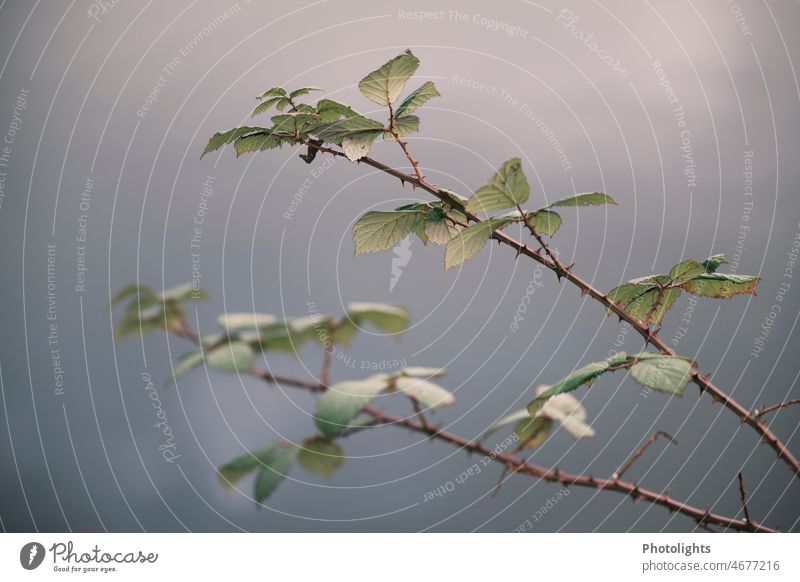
649, 335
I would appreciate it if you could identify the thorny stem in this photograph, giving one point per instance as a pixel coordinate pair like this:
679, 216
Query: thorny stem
511, 460
640, 451
650, 336
403, 144
743, 497
759, 412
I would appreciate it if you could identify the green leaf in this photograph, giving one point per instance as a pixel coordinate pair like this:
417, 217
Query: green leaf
272, 473
404, 125
586, 199
296, 123
441, 231
330, 110
186, 362
132, 290
426, 393
713, 262
544, 222
423, 372
233, 471
344, 400
666, 373
686, 270
627, 292
417, 99
384, 85
584, 375
303, 91
180, 292
508, 419
532, 432
220, 139
470, 240
507, 188
651, 307
257, 142
721, 286
388, 318
335, 131
274, 92
569, 413
380, 231
320, 456
233, 322
236, 356
266, 105
356, 145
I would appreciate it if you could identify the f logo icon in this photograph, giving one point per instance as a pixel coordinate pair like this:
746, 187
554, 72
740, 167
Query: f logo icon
31, 555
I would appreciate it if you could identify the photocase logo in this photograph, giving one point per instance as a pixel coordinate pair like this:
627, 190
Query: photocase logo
402, 255
31, 555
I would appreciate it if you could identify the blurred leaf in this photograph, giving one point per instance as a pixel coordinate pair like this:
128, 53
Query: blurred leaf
233, 471
422, 372
341, 402
320, 456
132, 290
388, 318
272, 473
186, 362
233, 322
236, 356
532, 432
384, 85
426, 393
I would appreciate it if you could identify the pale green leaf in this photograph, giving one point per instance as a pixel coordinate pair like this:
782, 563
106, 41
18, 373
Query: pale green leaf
423, 372
721, 286
507, 188
320, 456
236, 356
272, 473
356, 145
666, 373
223, 138
340, 403
544, 222
266, 105
303, 91
417, 99
469, 241
233, 471
380, 231
426, 393
233, 322
686, 270
330, 110
404, 125
257, 142
335, 131
384, 85
186, 362
586, 199
388, 318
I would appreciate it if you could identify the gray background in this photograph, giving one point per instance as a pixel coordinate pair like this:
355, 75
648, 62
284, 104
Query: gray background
87, 460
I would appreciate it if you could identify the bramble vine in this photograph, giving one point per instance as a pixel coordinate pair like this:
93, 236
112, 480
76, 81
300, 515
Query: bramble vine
328, 127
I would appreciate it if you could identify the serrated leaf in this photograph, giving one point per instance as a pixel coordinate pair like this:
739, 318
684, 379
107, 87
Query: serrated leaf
586, 199
627, 292
303, 91
404, 125
713, 262
236, 356
274, 92
666, 373
340, 403
380, 231
257, 142
330, 110
320, 456
296, 123
417, 99
544, 222
426, 393
334, 132
223, 138
356, 145
507, 188
579, 377
186, 362
233, 322
272, 473
686, 270
470, 240
265, 105
651, 307
423, 372
384, 85
721, 286
440, 232
233, 471
388, 318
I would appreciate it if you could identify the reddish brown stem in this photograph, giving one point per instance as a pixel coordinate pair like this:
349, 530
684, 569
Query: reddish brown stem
649, 335
640, 451
759, 412
743, 498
